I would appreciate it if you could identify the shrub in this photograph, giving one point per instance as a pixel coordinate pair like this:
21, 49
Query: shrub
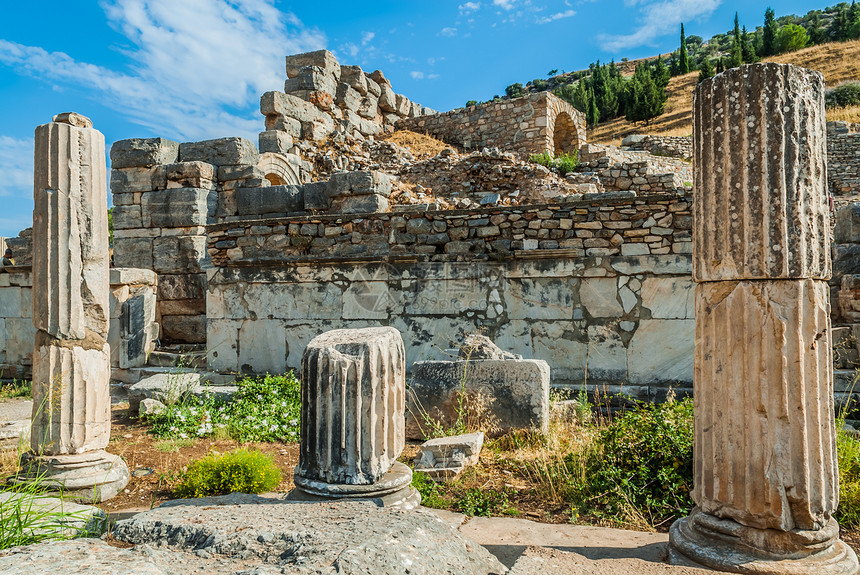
240, 471
544, 159
477, 502
844, 95
265, 408
643, 466
471, 103
848, 453
563, 164
431, 492
567, 163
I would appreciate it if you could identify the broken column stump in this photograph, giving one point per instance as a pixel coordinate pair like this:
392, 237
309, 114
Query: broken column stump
71, 359
766, 479
352, 424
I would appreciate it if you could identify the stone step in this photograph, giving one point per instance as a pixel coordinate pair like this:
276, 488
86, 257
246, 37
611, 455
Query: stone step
159, 358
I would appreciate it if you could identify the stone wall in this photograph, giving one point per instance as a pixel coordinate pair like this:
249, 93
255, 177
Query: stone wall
529, 125
164, 194
599, 287
843, 159
670, 146
17, 333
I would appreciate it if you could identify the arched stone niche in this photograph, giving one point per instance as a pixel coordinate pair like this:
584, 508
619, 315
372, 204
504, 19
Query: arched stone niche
278, 170
565, 135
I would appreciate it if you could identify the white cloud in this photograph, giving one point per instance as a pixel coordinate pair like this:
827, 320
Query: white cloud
658, 19
16, 165
367, 38
196, 68
469, 7
556, 16
449, 32
418, 75
505, 4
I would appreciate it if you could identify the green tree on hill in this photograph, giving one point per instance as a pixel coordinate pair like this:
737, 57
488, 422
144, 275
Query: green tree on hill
683, 60
706, 70
768, 44
791, 37
736, 56
747, 47
647, 98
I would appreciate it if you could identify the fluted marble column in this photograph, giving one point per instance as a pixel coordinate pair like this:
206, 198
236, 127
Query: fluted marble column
71, 358
353, 418
765, 471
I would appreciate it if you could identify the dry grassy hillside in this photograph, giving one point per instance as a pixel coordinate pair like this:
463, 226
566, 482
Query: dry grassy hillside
838, 62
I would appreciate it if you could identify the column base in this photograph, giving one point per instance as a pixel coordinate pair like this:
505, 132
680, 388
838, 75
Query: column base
702, 540
394, 489
87, 478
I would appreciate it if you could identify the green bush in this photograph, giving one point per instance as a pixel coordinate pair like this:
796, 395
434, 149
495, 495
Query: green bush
848, 453
567, 163
265, 408
544, 159
563, 164
240, 471
847, 94
431, 492
477, 502
644, 464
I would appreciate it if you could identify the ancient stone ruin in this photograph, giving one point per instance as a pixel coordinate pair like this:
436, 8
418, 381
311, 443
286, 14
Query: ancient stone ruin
353, 407
71, 360
766, 476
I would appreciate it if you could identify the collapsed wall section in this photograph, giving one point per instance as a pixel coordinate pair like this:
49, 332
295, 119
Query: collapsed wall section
531, 124
601, 290
322, 98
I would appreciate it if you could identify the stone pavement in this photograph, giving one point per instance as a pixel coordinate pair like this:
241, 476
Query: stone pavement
14, 420
531, 548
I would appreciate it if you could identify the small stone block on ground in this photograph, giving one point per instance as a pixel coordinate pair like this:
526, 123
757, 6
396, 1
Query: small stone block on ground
444, 458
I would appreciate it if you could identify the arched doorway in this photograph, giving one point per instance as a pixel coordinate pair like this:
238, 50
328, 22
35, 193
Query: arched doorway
565, 138
278, 170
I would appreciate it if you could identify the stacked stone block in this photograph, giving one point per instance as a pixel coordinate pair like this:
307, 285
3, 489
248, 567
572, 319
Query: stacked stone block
656, 225
531, 124
165, 194
765, 474
670, 146
843, 148
322, 97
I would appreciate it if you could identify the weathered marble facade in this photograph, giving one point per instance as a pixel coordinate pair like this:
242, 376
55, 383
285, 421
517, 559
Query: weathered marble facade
528, 125
599, 289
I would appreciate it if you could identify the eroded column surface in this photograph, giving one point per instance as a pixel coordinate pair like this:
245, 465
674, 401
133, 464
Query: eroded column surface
71, 359
353, 417
765, 470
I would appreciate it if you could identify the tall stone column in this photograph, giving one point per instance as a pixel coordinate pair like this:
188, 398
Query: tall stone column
71, 358
765, 471
353, 419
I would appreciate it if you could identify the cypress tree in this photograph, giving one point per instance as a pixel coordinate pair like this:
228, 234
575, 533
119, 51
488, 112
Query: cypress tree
683, 59
736, 57
768, 45
706, 70
747, 48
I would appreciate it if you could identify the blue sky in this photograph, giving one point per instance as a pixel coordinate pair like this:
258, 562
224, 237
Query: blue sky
194, 69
